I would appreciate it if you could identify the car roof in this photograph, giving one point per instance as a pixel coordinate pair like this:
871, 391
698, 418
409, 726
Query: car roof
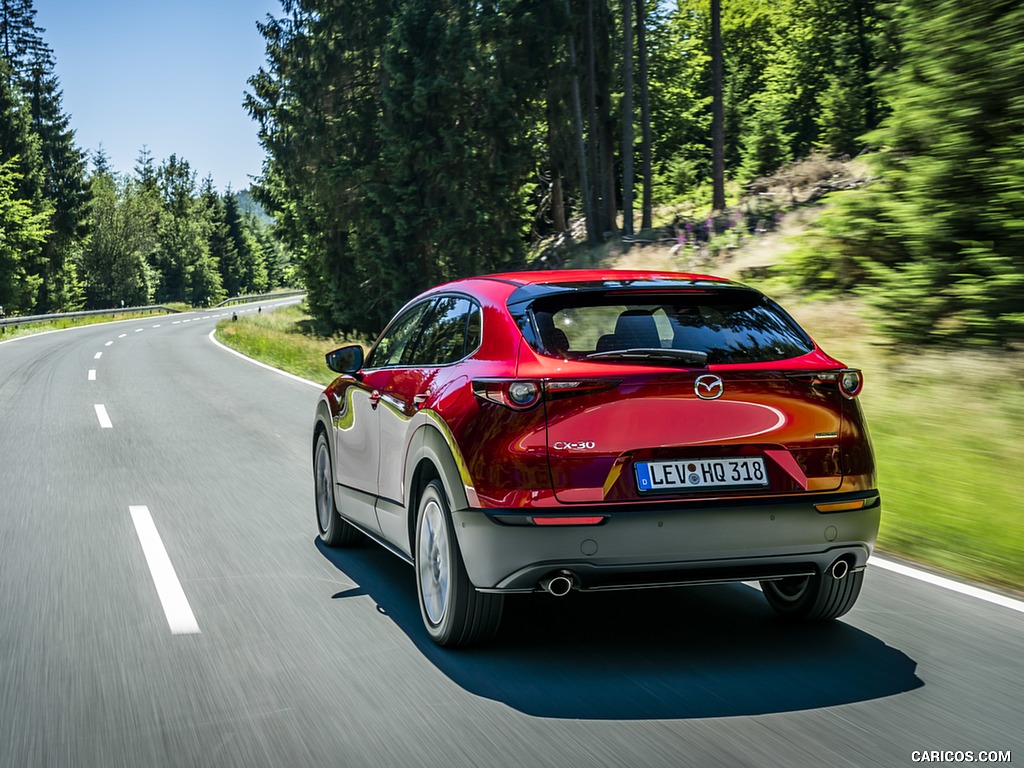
563, 276
518, 287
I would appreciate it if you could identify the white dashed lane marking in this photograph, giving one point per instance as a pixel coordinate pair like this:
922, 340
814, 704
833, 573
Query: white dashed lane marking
97, 356
122, 335
168, 588
108, 344
92, 374
101, 414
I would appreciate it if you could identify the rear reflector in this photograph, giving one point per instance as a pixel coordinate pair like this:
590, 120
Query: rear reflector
567, 520
840, 506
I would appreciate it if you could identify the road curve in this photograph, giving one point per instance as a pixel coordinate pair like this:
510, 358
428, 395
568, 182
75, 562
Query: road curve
296, 655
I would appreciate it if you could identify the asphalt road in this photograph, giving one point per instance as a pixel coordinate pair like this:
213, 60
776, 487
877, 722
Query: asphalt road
282, 653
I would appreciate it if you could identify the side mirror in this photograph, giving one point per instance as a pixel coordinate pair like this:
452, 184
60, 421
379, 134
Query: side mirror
345, 359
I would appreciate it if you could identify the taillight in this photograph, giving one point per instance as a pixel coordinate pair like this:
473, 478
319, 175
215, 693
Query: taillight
517, 394
523, 394
851, 382
566, 387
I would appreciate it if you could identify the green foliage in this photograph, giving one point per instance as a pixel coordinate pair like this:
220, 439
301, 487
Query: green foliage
115, 262
938, 243
398, 144
819, 86
50, 170
23, 232
187, 272
248, 270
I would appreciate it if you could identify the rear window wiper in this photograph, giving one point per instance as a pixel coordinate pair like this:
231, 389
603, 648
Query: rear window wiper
691, 356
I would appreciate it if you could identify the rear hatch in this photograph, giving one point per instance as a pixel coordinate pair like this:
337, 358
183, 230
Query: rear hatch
652, 436
696, 392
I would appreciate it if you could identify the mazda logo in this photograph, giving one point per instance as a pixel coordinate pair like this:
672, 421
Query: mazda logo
708, 387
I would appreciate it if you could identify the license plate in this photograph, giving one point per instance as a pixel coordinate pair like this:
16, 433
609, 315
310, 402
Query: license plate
698, 474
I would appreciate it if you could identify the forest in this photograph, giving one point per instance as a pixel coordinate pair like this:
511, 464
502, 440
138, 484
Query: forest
412, 141
408, 142
74, 234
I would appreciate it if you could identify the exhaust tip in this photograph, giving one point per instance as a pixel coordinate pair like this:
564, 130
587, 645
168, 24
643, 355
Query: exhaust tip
839, 569
558, 584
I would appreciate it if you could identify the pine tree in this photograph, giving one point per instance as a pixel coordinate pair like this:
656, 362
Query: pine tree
250, 267
57, 172
222, 247
64, 185
187, 271
20, 38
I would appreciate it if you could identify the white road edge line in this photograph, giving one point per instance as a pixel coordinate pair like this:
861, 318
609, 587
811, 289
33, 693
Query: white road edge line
101, 414
92, 374
955, 586
291, 376
172, 597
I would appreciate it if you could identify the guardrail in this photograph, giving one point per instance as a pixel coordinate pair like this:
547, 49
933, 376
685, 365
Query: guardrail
258, 296
27, 319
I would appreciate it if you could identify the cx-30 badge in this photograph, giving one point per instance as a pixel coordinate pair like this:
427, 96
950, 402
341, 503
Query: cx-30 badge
708, 387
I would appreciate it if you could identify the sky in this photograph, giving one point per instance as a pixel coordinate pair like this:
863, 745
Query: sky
167, 75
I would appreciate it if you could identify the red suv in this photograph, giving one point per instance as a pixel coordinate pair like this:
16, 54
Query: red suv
598, 430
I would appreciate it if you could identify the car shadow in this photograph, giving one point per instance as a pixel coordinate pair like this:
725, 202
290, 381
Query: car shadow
692, 652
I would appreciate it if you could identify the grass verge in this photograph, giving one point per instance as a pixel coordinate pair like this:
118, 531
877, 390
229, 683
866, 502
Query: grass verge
947, 428
948, 433
285, 339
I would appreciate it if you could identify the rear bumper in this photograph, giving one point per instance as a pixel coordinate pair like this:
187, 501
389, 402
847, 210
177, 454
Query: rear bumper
668, 545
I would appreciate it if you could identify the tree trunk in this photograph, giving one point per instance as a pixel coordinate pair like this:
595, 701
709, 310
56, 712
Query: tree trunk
645, 116
594, 132
577, 113
717, 112
627, 117
606, 139
558, 219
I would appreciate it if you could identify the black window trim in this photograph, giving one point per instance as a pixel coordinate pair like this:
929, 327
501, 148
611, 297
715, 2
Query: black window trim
431, 299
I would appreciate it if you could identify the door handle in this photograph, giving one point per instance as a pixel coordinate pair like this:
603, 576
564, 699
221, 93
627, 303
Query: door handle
421, 398
374, 398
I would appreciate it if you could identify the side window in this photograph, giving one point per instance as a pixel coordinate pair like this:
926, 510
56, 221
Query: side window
445, 336
394, 347
474, 329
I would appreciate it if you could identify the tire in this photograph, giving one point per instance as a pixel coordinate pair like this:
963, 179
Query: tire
813, 598
333, 530
453, 612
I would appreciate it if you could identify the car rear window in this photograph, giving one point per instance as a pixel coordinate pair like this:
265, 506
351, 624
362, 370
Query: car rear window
729, 326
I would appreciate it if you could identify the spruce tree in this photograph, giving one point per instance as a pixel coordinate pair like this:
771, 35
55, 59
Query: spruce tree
64, 185
222, 247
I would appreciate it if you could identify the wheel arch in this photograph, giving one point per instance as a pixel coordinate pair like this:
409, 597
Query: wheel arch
321, 423
434, 457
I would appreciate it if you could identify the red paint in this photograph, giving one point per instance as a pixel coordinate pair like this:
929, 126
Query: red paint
582, 447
